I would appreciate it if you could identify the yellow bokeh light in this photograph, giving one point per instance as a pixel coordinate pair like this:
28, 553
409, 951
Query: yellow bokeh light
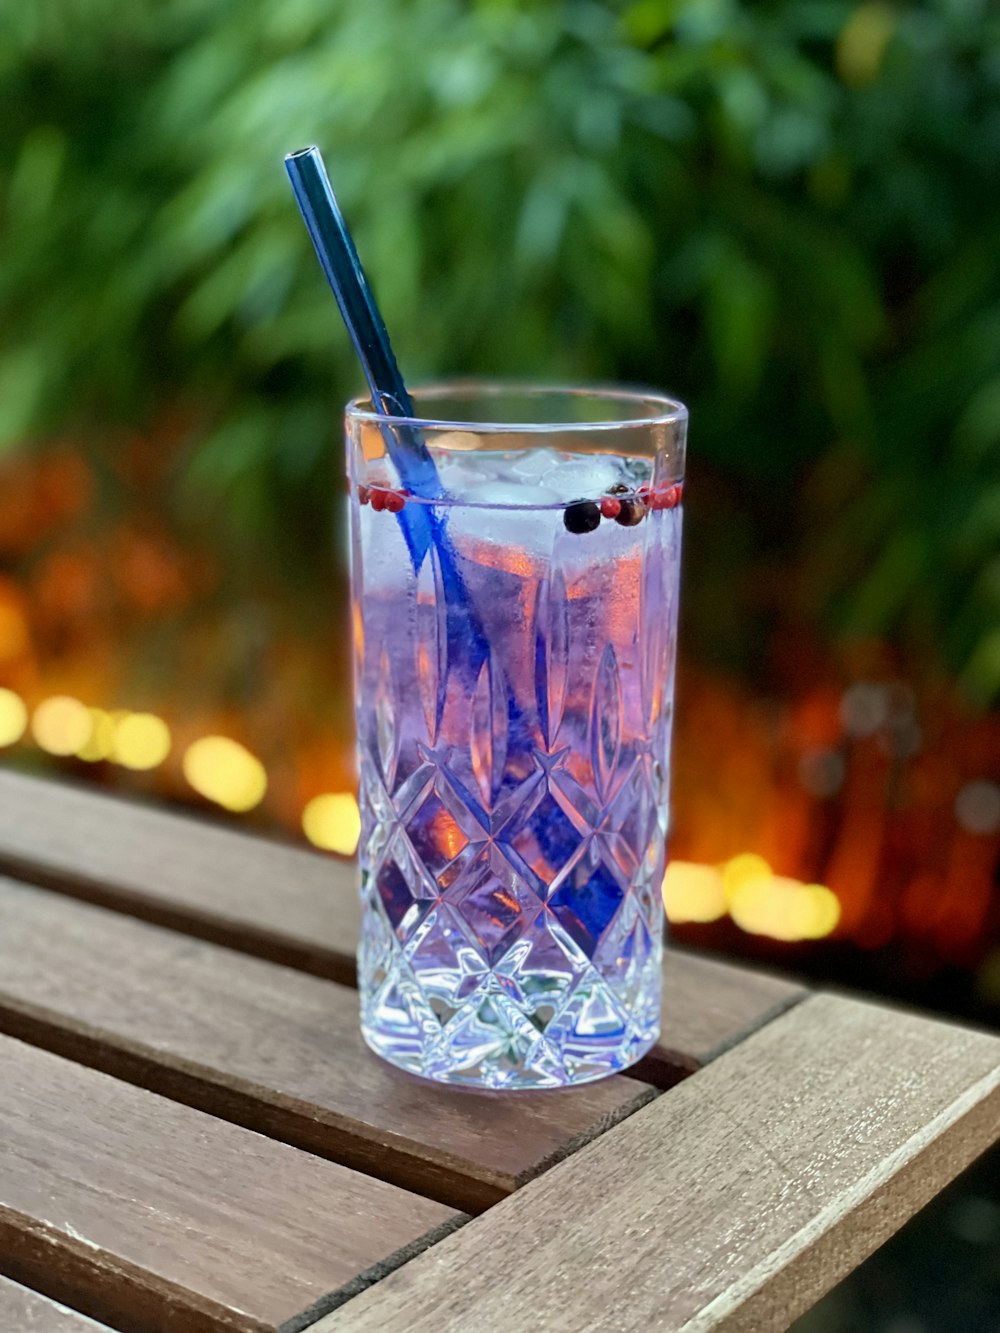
98, 744
760, 907
743, 869
225, 772
142, 740
332, 821
61, 725
13, 717
823, 915
693, 892
784, 909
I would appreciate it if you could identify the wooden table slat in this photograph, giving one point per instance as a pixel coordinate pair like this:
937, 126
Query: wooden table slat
265, 897
273, 1049
297, 907
25, 1311
732, 1202
709, 1006
157, 1218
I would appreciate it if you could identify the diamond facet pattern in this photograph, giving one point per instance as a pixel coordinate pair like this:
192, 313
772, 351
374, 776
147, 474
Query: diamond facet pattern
514, 808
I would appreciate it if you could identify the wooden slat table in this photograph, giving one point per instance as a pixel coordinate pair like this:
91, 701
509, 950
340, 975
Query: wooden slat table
194, 1138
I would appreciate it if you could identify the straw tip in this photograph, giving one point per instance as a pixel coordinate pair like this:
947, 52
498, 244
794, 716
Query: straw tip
301, 152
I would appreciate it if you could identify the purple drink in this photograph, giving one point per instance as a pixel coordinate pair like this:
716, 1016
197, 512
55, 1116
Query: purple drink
514, 698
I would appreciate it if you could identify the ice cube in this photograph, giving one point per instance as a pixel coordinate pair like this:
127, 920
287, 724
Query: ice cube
583, 478
532, 464
510, 494
459, 473
527, 527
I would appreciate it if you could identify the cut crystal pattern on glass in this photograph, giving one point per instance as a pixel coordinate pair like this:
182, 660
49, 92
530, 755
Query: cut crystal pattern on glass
550, 642
514, 810
488, 730
606, 721
385, 719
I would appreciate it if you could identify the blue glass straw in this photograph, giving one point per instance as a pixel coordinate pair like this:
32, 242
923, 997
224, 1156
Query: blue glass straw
422, 526
339, 259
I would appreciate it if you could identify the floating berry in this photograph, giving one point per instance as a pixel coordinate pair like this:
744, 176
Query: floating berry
581, 516
378, 498
364, 494
619, 488
611, 506
633, 511
394, 502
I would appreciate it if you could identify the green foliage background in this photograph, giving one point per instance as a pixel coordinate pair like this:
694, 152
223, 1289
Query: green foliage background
785, 212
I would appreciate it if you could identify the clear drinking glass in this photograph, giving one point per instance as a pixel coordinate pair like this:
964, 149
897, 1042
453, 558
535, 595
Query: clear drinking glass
514, 686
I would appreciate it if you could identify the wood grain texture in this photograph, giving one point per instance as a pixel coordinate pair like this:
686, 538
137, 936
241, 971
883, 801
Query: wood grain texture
264, 897
298, 907
273, 1049
153, 1216
25, 1311
732, 1202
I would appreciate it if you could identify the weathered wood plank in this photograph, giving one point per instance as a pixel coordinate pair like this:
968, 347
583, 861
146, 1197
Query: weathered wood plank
264, 897
154, 1217
270, 1048
732, 1202
298, 907
709, 1006
25, 1311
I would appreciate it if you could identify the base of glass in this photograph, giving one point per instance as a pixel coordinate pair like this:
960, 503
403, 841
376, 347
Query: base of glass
497, 1060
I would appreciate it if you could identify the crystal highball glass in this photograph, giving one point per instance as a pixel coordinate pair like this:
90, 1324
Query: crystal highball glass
514, 664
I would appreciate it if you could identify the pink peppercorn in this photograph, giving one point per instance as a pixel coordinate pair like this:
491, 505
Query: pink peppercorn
378, 499
363, 494
667, 497
610, 507
394, 502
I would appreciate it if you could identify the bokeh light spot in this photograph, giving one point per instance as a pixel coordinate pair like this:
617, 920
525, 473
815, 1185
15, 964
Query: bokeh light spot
864, 708
98, 744
760, 907
141, 741
743, 869
13, 717
223, 771
693, 892
61, 725
785, 909
821, 772
332, 821
977, 807
823, 914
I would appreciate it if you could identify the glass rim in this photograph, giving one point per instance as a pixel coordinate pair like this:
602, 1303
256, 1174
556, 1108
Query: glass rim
671, 410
